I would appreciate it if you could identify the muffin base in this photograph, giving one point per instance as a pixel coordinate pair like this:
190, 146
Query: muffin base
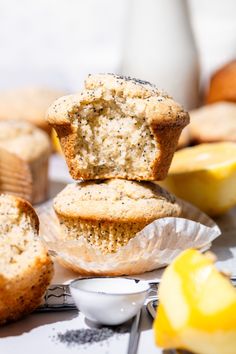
106, 236
152, 248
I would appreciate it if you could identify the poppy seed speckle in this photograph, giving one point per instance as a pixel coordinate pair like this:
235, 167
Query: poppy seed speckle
88, 335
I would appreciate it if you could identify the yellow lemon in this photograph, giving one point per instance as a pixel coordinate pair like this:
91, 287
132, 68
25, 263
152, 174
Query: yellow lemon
197, 307
56, 142
205, 175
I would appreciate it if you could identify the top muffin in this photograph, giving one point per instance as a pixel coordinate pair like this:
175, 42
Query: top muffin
118, 127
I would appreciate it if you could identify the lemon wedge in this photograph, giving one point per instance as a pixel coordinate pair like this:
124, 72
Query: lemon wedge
197, 307
55, 142
205, 175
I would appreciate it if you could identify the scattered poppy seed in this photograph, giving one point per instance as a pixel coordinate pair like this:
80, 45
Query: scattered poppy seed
88, 335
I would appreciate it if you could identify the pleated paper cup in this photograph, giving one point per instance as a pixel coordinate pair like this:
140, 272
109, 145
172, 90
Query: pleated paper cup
153, 247
15, 175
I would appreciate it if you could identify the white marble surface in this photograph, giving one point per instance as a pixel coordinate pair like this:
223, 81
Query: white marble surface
34, 334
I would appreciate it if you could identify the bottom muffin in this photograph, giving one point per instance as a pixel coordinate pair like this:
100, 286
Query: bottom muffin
109, 213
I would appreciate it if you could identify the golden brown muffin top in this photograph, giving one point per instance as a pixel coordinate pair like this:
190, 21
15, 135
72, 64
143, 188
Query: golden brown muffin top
222, 86
116, 200
23, 139
27, 103
214, 122
136, 97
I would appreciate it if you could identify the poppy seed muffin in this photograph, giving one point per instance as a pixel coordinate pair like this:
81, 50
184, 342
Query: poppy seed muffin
118, 127
184, 139
214, 122
25, 267
24, 155
222, 86
109, 213
28, 104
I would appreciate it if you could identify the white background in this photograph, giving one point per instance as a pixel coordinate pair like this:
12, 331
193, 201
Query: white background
58, 42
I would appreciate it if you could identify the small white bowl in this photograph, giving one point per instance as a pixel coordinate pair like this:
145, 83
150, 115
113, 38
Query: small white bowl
109, 301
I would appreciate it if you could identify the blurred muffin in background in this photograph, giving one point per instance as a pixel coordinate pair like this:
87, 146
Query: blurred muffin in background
29, 103
184, 139
213, 123
223, 84
24, 155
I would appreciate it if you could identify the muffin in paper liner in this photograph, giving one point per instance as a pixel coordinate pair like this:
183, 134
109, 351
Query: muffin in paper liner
153, 247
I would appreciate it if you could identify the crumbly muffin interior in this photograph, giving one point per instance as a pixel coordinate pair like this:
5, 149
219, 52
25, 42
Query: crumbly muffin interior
123, 143
19, 243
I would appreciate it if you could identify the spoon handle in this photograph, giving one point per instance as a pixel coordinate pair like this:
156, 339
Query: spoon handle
134, 334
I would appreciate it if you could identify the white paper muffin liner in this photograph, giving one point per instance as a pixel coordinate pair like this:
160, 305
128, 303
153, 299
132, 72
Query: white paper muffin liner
153, 247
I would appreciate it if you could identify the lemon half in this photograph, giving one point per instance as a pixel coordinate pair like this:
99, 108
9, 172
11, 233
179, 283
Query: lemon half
56, 142
197, 309
205, 175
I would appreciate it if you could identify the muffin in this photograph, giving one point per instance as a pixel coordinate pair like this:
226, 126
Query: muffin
223, 84
25, 267
109, 213
24, 155
213, 123
29, 103
15, 175
184, 139
118, 127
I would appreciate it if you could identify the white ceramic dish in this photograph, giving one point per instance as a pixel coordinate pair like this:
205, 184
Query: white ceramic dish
108, 300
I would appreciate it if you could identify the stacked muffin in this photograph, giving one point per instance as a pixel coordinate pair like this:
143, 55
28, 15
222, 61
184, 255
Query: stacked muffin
118, 133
